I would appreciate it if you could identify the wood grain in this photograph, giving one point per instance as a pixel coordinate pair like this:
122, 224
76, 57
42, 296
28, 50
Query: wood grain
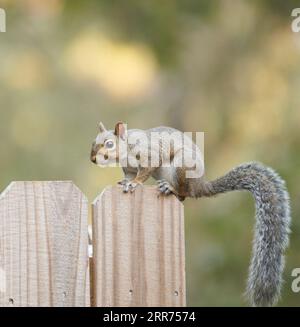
43, 245
138, 244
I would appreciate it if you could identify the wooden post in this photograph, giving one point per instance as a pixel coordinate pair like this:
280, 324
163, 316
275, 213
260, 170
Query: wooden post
43, 245
138, 243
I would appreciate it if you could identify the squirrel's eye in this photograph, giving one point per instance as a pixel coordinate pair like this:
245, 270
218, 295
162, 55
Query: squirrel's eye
109, 144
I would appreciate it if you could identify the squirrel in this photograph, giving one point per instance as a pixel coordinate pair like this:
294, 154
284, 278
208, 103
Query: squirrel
271, 236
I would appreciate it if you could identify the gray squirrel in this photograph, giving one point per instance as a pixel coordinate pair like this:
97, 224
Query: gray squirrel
271, 236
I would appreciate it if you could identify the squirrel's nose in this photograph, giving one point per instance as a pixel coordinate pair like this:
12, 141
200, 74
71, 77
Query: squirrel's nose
93, 158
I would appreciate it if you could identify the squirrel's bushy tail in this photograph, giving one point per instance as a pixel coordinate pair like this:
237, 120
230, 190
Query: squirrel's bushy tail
271, 229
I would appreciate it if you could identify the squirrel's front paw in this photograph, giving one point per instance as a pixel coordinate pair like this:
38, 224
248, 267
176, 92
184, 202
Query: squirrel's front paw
129, 186
123, 181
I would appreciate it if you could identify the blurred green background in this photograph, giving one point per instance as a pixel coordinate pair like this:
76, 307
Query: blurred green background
228, 68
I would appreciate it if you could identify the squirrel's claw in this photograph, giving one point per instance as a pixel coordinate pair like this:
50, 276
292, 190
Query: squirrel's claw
123, 182
164, 187
129, 186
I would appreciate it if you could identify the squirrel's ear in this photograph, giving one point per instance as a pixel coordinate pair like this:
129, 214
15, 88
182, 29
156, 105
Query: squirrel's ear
120, 130
101, 127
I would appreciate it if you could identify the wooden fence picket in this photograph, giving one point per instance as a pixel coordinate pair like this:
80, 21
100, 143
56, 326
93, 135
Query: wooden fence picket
138, 242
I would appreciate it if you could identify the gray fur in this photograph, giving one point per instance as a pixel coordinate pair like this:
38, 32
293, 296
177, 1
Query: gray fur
271, 236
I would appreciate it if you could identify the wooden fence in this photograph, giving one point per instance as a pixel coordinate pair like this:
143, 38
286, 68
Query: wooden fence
138, 247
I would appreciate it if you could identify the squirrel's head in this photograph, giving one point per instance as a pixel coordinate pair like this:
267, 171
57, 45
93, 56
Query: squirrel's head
105, 148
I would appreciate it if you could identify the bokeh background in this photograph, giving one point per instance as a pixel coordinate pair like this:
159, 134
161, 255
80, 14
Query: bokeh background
228, 68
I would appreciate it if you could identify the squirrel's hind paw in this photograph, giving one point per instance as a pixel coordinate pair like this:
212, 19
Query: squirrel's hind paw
165, 187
